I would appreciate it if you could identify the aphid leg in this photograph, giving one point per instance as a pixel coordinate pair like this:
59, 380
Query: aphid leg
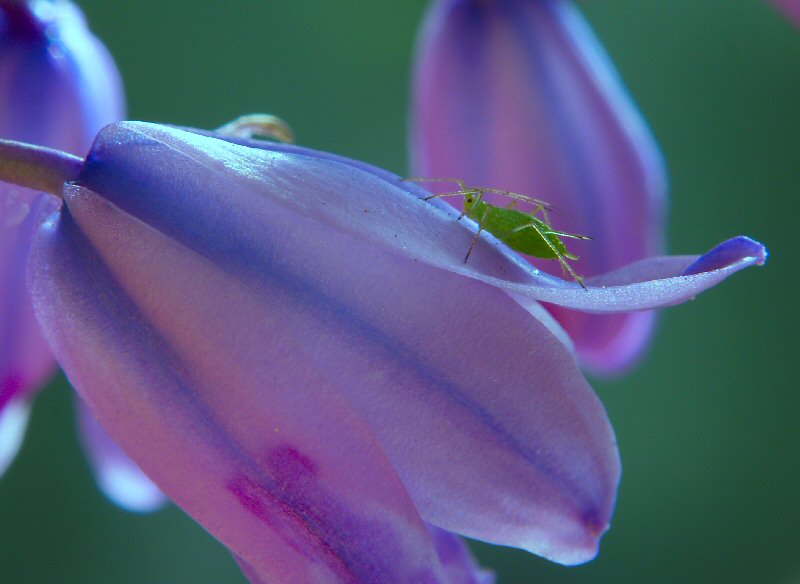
554, 249
570, 235
261, 125
518, 196
478, 234
546, 217
539, 208
463, 185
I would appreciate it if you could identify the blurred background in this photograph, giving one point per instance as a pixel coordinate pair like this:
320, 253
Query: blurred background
708, 424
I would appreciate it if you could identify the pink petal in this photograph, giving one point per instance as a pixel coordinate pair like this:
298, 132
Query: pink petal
25, 360
520, 95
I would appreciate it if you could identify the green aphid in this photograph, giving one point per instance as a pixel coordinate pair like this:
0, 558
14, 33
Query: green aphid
521, 231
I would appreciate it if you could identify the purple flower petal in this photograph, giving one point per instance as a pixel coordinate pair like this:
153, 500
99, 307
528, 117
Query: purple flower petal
59, 86
519, 95
278, 283
652, 283
25, 360
117, 475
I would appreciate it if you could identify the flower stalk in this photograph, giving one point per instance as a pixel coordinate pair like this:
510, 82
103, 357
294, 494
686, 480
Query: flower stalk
37, 167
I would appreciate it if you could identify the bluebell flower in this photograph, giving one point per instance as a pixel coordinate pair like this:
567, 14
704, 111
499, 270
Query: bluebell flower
291, 346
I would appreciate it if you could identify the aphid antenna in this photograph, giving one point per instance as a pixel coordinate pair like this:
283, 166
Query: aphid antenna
518, 196
476, 192
457, 181
465, 190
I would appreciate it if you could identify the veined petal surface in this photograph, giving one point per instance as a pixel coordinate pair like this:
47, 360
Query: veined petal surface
520, 95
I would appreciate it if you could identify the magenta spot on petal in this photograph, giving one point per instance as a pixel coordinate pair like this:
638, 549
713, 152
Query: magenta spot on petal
289, 496
291, 467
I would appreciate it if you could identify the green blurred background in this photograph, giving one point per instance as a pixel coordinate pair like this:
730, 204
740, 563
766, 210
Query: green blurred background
708, 424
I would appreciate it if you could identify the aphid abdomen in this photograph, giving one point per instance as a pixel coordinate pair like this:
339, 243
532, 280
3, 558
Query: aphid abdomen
504, 223
531, 241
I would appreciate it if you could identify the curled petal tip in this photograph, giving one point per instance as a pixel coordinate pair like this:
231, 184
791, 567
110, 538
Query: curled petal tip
729, 253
